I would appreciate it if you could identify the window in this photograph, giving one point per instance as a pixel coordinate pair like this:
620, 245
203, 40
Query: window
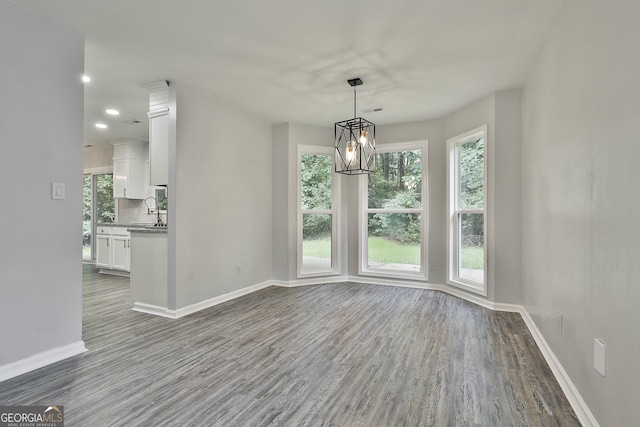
393, 237
317, 212
98, 206
467, 211
161, 198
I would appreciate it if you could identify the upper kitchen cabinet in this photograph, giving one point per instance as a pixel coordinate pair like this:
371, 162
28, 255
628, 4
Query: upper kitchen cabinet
158, 148
158, 132
129, 167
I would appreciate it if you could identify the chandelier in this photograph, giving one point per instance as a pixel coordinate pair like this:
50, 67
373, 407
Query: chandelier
355, 142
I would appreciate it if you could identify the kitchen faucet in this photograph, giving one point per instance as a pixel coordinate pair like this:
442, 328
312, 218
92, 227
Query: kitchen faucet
156, 210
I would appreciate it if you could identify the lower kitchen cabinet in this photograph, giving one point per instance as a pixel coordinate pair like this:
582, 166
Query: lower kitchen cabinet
121, 259
103, 250
113, 250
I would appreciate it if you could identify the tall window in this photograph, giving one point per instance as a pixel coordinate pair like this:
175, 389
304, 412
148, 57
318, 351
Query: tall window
467, 211
317, 212
394, 213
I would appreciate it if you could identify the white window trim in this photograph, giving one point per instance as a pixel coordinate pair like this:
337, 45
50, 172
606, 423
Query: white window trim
453, 177
363, 211
334, 212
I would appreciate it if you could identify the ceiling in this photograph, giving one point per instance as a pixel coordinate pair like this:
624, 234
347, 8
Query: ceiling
289, 60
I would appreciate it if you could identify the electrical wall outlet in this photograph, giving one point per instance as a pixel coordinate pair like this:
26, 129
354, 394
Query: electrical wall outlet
239, 269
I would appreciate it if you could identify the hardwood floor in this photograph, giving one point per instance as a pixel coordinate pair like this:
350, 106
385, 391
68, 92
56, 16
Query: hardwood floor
336, 355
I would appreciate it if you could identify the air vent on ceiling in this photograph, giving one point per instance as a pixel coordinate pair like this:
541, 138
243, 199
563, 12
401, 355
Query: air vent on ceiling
372, 110
131, 122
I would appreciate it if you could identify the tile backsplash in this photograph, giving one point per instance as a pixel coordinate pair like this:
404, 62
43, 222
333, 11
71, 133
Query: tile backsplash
135, 212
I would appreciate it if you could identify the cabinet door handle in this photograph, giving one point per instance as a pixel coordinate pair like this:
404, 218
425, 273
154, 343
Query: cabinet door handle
125, 192
107, 242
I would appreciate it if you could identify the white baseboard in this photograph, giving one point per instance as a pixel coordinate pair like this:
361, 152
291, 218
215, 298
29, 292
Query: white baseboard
189, 309
578, 404
309, 281
156, 310
114, 272
41, 360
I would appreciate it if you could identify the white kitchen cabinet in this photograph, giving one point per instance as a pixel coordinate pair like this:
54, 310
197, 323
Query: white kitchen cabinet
103, 250
129, 179
129, 170
159, 147
113, 250
121, 259
159, 130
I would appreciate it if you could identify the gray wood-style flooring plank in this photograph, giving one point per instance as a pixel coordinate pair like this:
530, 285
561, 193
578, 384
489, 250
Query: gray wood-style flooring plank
342, 354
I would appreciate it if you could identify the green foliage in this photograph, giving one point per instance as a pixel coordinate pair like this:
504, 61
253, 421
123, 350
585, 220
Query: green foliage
86, 210
396, 172
401, 227
316, 174
315, 225
319, 247
105, 204
388, 251
397, 184
473, 257
472, 193
472, 174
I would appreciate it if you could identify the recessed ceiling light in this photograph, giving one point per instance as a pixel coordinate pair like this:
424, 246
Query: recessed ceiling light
101, 125
86, 79
112, 112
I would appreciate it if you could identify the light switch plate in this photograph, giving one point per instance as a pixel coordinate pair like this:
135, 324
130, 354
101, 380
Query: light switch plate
599, 359
58, 191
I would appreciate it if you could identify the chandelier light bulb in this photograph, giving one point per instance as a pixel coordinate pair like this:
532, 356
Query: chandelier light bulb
363, 137
351, 151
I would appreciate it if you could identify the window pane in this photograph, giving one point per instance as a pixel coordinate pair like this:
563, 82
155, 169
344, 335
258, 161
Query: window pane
394, 242
471, 247
161, 198
316, 243
105, 204
86, 217
397, 182
316, 171
472, 174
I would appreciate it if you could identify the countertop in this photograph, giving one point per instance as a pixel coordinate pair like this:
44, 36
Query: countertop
131, 225
135, 227
148, 230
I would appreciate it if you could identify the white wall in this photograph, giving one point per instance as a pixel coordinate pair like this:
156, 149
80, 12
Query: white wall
223, 198
97, 157
507, 202
286, 139
280, 189
580, 199
502, 113
40, 143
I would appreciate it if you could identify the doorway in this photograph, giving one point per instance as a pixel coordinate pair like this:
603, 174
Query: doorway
98, 205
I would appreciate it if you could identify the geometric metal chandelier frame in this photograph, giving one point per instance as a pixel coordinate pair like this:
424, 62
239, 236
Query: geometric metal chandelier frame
355, 142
